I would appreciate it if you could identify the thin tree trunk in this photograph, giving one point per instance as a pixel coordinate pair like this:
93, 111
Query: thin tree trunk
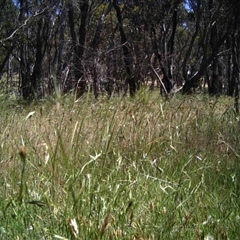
79, 70
214, 84
60, 52
94, 45
130, 80
166, 84
9, 51
235, 67
24, 66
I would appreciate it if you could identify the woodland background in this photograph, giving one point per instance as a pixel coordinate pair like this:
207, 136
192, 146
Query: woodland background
117, 46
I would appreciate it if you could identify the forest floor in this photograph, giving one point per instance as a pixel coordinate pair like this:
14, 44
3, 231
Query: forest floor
123, 168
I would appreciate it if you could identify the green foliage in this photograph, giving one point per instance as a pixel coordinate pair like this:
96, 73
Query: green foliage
132, 168
8, 15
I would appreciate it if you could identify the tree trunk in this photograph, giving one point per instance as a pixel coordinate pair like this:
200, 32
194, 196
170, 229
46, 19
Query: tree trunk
94, 53
78, 45
130, 80
78, 65
60, 48
214, 86
42, 34
235, 62
24, 65
2, 65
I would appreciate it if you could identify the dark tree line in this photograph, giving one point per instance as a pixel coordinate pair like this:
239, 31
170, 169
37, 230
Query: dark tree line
118, 46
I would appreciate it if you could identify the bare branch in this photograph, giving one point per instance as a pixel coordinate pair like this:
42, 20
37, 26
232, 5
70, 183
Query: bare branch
21, 26
160, 80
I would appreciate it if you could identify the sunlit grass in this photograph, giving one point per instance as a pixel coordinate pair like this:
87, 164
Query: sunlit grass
123, 168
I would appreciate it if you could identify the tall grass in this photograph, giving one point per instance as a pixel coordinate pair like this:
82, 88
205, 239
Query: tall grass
124, 168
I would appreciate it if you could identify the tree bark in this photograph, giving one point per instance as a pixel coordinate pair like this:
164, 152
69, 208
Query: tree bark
60, 47
130, 80
78, 68
42, 34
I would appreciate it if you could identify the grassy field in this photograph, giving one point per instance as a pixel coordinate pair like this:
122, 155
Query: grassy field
131, 168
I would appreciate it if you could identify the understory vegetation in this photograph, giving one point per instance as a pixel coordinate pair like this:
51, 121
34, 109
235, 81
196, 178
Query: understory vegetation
120, 168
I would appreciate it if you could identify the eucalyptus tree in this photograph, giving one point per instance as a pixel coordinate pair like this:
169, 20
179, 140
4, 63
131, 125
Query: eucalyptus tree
32, 39
235, 55
128, 62
160, 19
78, 11
213, 25
8, 23
96, 59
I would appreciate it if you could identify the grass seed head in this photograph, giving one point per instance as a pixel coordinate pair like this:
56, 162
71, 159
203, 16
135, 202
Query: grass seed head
152, 206
74, 227
106, 224
44, 152
22, 152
